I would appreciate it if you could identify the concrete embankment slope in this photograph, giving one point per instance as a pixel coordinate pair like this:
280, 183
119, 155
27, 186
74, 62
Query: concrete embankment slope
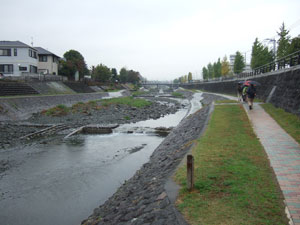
19, 108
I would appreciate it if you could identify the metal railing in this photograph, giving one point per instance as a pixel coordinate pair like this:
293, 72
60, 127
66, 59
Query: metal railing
282, 63
279, 64
35, 77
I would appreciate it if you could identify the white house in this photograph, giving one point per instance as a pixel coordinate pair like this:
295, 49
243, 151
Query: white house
17, 58
47, 61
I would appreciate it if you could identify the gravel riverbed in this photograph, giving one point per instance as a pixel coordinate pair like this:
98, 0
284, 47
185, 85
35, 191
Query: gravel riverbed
144, 198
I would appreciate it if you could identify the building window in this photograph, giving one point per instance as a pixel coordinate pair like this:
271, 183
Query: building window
6, 68
55, 59
22, 68
32, 54
5, 52
43, 58
15, 52
33, 69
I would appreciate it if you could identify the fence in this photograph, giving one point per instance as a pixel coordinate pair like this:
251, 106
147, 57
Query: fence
35, 77
282, 63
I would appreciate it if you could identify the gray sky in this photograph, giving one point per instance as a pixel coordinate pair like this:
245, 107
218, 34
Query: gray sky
162, 39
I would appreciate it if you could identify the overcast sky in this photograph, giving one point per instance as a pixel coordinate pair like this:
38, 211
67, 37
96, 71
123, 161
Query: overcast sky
162, 39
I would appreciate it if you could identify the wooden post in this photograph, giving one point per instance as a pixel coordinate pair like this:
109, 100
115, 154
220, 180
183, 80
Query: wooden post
190, 172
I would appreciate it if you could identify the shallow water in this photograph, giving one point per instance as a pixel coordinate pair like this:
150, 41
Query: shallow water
62, 182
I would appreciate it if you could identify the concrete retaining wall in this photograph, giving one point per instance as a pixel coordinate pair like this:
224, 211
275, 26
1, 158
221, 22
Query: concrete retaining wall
23, 107
281, 88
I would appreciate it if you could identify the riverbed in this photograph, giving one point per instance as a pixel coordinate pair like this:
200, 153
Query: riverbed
63, 181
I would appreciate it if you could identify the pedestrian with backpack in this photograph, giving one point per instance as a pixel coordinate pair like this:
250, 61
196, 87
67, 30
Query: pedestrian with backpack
251, 93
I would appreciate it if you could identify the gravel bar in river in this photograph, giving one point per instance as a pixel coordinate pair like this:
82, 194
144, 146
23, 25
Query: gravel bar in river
143, 199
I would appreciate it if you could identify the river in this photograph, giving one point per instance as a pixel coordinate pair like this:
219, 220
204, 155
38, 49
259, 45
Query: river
61, 183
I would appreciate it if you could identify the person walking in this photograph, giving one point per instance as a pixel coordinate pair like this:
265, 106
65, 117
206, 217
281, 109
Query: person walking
244, 93
240, 92
251, 93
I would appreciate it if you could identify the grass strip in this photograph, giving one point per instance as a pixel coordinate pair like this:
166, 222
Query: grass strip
288, 121
134, 102
177, 95
234, 183
62, 110
226, 101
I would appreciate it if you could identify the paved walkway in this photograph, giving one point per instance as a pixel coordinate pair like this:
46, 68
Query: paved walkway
284, 155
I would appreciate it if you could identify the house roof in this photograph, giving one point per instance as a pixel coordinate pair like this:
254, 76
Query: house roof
42, 51
18, 44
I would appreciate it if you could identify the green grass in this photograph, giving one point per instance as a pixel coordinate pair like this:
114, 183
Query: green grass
288, 121
226, 101
134, 102
138, 93
82, 107
59, 110
234, 183
177, 95
127, 117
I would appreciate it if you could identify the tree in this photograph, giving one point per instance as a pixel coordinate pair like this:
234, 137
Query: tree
295, 45
185, 78
133, 77
283, 42
102, 73
210, 71
114, 74
204, 73
74, 61
239, 63
190, 77
217, 68
181, 79
260, 55
225, 68
123, 75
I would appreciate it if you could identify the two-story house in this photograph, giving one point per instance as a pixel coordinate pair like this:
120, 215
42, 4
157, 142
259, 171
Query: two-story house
17, 58
47, 61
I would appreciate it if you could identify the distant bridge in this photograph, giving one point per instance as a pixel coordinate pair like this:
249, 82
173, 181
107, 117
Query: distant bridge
157, 83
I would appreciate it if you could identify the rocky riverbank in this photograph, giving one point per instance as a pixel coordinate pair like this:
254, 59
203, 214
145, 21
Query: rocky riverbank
143, 199
11, 131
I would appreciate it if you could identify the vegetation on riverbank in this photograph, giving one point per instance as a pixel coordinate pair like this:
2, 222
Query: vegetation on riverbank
226, 101
62, 110
133, 102
288, 121
177, 95
234, 183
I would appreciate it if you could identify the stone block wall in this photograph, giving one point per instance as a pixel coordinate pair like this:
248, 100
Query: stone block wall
285, 85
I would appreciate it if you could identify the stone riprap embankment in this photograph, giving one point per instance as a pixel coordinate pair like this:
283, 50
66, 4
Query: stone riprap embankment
143, 199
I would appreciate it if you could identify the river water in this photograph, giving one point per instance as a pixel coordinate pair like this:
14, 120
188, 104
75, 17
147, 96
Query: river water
61, 183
